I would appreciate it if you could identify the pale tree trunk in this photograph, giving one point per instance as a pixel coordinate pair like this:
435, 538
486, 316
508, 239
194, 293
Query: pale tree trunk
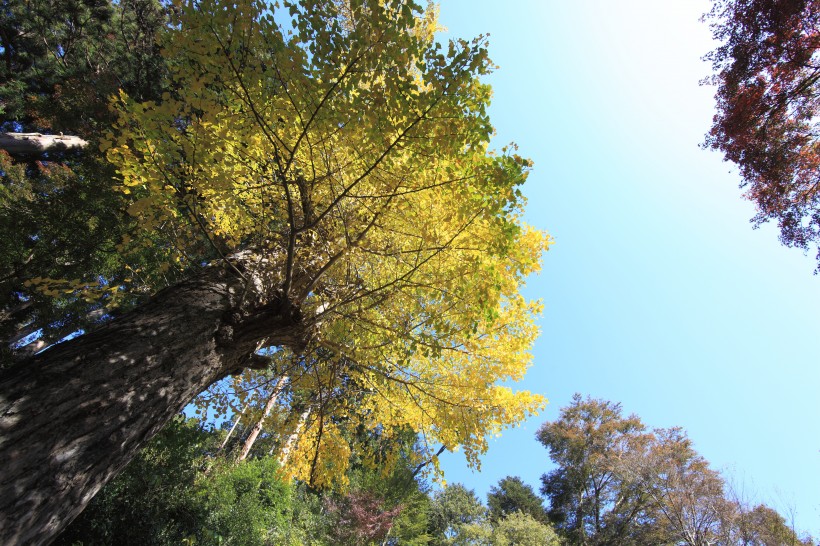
235, 424
41, 342
289, 445
37, 144
74, 415
257, 428
21, 333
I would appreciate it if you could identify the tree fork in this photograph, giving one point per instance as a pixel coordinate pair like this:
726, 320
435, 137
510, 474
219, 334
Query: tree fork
74, 415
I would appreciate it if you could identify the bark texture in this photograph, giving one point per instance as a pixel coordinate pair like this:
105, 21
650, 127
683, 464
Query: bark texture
37, 144
74, 415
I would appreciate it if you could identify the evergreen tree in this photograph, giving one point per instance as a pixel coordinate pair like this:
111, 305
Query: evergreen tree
512, 495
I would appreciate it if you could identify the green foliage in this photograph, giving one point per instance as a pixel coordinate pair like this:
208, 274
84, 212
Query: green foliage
152, 501
176, 490
64, 58
519, 528
410, 527
165, 497
62, 224
512, 495
458, 518
245, 504
311, 524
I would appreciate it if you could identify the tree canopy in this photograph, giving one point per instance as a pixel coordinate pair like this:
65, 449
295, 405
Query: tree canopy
661, 491
587, 496
310, 179
348, 160
768, 78
60, 217
616, 482
512, 495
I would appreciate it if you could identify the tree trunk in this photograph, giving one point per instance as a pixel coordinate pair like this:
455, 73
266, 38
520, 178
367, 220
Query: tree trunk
257, 428
74, 415
291, 443
37, 144
233, 427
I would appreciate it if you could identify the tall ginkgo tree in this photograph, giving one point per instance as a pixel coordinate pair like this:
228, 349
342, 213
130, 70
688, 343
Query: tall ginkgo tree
336, 161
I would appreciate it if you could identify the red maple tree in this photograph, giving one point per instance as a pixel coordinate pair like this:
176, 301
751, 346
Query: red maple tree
767, 71
361, 518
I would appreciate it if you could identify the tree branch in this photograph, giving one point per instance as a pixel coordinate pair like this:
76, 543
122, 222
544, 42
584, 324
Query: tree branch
38, 144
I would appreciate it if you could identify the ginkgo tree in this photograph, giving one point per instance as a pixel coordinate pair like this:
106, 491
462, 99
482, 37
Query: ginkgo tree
336, 159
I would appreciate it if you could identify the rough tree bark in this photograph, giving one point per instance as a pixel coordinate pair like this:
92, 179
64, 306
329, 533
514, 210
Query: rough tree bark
74, 415
37, 144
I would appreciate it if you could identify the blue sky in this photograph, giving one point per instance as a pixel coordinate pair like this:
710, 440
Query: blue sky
658, 293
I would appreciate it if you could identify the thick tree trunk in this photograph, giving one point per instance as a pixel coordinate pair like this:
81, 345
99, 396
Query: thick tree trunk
37, 144
257, 428
74, 415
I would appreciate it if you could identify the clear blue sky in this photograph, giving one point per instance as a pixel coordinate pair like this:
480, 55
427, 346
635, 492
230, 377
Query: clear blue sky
658, 292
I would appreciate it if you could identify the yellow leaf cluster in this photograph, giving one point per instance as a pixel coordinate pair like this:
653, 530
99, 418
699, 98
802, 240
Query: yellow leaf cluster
349, 152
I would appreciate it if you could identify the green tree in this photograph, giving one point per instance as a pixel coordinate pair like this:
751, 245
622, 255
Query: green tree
457, 518
62, 59
340, 169
311, 522
244, 503
165, 497
61, 219
519, 528
512, 495
153, 501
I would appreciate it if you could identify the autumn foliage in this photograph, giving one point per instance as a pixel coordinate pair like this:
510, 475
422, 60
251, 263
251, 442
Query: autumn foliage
767, 72
345, 156
312, 180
